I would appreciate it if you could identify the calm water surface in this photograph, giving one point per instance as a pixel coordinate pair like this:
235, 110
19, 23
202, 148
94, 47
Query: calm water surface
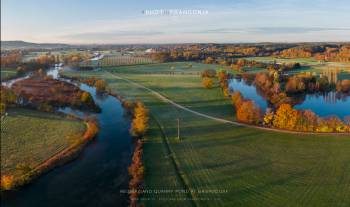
323, 105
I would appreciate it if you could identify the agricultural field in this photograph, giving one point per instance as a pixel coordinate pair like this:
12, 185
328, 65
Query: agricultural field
29, 137
309, 65
249, 167
117, 60
7, 73
302, 61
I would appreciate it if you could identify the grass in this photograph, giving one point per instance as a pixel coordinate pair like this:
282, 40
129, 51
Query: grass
256, 168
302, 61
30, 137
8, 73
308, 65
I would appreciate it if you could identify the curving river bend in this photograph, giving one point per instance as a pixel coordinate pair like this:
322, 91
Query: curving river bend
96, 177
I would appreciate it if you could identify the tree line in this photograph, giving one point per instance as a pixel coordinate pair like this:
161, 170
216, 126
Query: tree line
282, 115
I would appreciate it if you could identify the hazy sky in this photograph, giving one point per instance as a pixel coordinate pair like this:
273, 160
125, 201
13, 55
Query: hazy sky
116, 21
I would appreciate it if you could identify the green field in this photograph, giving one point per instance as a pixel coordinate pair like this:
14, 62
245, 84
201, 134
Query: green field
252, 167
8, 73
309, 65
30, 137
302, 61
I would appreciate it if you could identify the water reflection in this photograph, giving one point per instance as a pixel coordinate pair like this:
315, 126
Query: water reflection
323, 104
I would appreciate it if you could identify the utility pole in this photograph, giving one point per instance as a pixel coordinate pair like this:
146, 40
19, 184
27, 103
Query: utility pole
178, 128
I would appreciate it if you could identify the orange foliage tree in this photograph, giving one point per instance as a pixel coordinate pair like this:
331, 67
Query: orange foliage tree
7, 182
248, 112
101, 85
285, 117
139, 123
207, 82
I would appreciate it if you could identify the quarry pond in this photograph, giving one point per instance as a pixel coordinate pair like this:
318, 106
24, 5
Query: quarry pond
322, 104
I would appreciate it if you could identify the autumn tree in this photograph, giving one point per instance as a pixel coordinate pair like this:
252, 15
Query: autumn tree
343, 86
86, 97
222, 75
139, 123
248, 112
284, 117
7, 182
209, 60
268, 117
209, 73
207, 82
295, 85
310, 121
101, 85
236, 98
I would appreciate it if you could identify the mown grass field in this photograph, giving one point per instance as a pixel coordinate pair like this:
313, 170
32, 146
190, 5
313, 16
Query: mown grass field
255, 167
309, 65
30, 137
8, 73
302, 61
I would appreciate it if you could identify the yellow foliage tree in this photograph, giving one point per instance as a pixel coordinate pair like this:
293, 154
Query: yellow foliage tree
139, 123
101, 85
207, 82
284, 117
268, 117
6, 182
86, 97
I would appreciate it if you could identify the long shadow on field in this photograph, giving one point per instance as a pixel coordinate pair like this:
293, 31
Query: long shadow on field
262, 188
236, 162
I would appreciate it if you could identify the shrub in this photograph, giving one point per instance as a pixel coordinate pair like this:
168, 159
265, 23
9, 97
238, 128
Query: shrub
136, 172
207, 82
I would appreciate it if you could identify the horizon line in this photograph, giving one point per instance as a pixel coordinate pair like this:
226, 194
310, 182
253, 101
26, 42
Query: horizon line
174, 43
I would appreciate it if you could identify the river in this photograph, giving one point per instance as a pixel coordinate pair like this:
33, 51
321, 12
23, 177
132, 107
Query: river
96, 177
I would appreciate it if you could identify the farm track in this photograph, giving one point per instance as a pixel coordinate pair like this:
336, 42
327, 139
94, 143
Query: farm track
165, 99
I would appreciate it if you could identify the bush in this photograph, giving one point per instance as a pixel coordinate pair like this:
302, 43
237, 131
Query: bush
207, 82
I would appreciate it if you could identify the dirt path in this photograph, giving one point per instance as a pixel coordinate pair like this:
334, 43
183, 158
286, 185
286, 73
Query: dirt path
163, 98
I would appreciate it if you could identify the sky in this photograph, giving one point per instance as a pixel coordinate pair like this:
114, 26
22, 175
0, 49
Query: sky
141, 21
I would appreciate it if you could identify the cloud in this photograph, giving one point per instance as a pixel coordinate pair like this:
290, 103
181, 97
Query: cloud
293, 30
270, 30
112, 34
241, 21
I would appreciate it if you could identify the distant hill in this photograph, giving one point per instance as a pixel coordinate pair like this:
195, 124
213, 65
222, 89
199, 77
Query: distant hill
27, 45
